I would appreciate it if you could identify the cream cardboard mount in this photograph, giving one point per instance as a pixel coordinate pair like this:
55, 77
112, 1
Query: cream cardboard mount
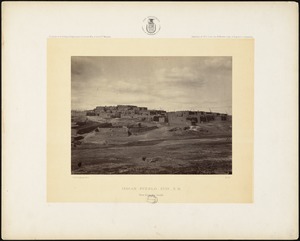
64, 187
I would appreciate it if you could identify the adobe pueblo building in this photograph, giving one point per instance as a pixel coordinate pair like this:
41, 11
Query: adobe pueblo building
129, 111
194, 117
176, 118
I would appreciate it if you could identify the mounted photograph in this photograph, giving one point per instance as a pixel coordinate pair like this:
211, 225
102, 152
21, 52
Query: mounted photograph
151, 115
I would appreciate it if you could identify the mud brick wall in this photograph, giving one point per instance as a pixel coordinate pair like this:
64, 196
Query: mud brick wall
112, 132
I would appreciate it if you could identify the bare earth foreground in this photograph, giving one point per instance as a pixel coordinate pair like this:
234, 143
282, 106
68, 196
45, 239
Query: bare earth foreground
153, 148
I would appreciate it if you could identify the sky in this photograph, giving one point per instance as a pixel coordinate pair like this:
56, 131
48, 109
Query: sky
168, 83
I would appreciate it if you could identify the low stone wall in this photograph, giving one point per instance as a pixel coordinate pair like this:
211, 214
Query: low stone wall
111, 132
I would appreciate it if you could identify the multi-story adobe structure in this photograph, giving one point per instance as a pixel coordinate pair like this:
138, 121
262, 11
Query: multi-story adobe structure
122, 111
173, 118
193, 117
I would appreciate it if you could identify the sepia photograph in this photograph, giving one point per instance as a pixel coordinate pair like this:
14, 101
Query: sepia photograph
151, 115
137, 120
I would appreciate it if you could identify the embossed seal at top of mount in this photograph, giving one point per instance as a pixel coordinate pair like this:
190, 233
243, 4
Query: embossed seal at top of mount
151, 25
152, 199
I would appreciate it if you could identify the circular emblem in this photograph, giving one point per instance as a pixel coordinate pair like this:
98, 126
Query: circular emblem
151, 25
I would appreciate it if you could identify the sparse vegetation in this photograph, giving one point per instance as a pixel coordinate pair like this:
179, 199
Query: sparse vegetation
149, 148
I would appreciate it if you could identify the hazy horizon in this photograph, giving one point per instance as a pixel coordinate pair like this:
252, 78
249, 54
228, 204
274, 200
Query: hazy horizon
167, 83
150, 109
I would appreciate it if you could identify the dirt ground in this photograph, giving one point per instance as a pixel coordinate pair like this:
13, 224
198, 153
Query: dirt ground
163, 150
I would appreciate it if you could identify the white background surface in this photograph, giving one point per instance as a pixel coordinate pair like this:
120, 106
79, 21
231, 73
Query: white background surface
25, 212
